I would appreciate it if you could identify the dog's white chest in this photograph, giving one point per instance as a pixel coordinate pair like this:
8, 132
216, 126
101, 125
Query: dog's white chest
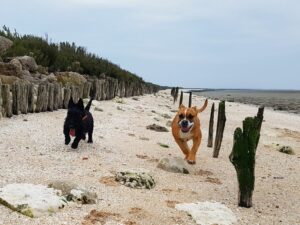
185, 136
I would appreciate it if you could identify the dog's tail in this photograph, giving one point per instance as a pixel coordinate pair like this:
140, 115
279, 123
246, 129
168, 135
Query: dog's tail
203, 107
88, 106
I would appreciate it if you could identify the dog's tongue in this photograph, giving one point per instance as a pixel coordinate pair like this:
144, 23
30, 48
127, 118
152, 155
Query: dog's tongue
185, 129
72, 132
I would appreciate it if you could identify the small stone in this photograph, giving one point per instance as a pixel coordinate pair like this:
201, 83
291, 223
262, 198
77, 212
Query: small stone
174, 165
166, 116
98, 109
157, 128
287, 150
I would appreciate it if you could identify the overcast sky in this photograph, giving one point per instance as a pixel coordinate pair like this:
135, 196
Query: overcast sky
191, 43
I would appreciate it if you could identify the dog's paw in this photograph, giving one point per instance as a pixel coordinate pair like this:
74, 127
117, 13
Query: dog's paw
90, 141
192, 162
74, 145
67, 141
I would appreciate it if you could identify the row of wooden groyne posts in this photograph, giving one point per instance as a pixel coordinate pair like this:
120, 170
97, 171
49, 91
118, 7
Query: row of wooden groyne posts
23, 98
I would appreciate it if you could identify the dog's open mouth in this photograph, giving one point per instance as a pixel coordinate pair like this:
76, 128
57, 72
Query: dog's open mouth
185, 129
72, 132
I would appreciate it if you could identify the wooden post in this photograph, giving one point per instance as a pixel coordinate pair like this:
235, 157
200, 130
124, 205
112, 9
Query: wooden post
30, 98
23, 101
57, 96
220, 129
16, 98
6, 102
1, 109
50, 99
211, 126
243, 156
86, 89
260, 115
67, 96
181, 98
190, 99
42, 99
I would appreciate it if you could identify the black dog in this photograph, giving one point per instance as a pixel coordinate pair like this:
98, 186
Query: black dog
78, 122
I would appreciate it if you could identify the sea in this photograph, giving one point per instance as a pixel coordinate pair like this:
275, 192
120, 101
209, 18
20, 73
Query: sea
281, 100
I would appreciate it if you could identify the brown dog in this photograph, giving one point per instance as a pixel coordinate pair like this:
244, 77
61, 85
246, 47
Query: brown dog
186, 126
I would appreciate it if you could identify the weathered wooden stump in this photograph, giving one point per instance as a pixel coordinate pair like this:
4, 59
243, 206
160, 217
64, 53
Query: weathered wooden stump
211, 126
181, 98
243, 156
220, 129
6, 101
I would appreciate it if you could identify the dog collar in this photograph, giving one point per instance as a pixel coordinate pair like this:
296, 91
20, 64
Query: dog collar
83, 118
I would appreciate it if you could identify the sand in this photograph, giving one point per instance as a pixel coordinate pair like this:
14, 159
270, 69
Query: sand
33, 151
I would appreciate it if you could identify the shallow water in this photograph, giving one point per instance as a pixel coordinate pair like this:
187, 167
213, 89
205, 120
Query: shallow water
278, 100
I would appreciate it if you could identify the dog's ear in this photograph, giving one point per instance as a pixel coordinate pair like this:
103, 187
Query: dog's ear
195, 108
181, 106
71, 103
80, 104
203, 107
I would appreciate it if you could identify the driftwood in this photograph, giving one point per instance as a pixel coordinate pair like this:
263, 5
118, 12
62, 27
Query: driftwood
220, 129
211, 126
243, 156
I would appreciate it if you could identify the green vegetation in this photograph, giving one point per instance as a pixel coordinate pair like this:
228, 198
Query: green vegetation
64, 56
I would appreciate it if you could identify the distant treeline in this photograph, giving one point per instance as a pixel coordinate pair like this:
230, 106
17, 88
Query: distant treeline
64, 56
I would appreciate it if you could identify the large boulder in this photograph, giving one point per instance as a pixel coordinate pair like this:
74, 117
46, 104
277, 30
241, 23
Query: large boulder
10, 69
51, 78
70, 78
28, 63
31, 200
16, 63
208, 213
5, 44
135, 179
175, 165
73, 192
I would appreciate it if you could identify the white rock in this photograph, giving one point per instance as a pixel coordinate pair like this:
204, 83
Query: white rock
31, 200
208, 213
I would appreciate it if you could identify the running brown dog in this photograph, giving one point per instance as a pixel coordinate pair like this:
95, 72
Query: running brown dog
186, 126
